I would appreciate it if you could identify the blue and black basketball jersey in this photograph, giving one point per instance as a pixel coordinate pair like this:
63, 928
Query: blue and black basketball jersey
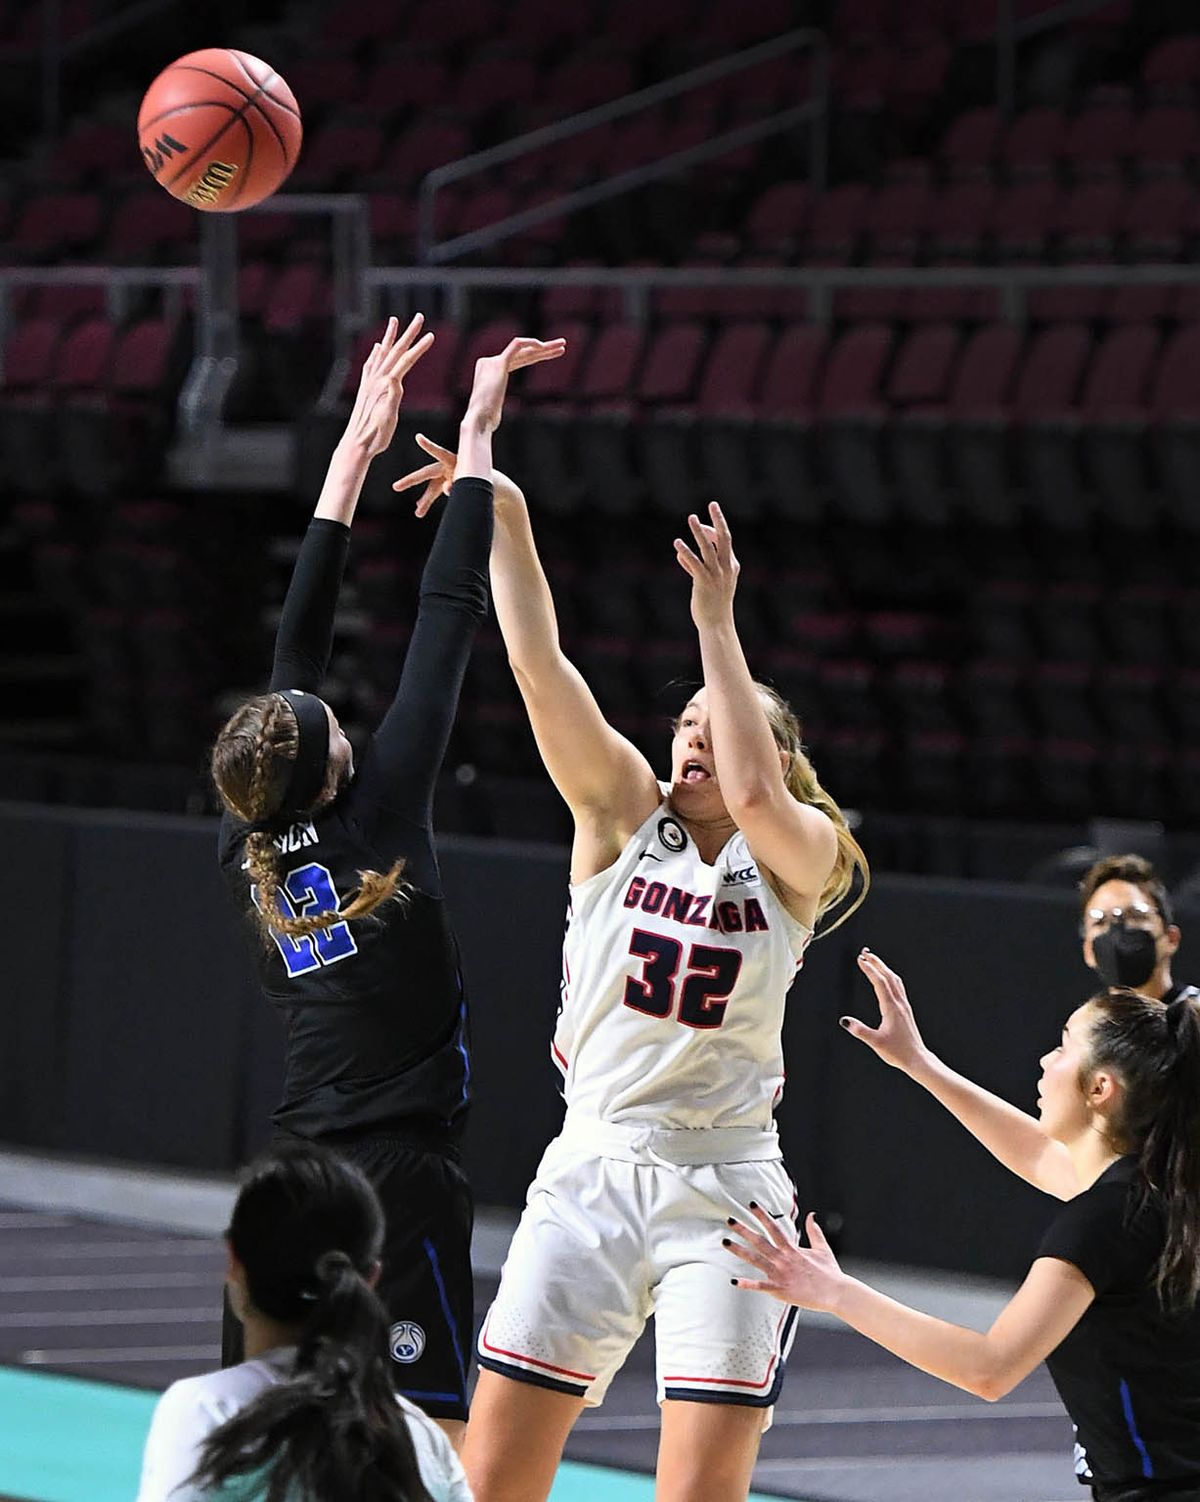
374, 1010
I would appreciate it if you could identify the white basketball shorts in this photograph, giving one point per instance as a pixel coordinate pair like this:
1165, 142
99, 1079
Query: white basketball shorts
624, 1230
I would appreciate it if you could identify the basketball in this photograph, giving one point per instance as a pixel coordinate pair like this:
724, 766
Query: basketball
219, 129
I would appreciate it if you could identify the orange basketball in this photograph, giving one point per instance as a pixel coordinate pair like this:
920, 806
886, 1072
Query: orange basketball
219, 129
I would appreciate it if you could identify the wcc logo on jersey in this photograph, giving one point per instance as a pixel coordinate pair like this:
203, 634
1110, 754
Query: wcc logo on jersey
406, 1341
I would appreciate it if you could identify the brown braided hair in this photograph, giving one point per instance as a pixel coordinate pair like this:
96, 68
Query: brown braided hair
801, 781
250, 767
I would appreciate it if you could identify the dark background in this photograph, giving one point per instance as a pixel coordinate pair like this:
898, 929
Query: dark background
131, 1028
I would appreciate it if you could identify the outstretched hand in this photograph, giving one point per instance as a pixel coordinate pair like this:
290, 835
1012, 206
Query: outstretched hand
897, 1040
808, 1277
376, 407
438, 477
492, 372
713, 569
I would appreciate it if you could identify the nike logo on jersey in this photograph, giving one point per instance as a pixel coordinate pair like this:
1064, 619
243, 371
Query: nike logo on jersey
649, 855
696, 910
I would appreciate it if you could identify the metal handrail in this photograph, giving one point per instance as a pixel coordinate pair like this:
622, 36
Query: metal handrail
817, 108
116, 281
216, 328
819, 282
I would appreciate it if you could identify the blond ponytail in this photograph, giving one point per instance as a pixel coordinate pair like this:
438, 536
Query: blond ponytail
800, 778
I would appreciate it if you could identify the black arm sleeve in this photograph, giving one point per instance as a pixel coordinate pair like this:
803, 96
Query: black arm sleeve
305, 636
402, 762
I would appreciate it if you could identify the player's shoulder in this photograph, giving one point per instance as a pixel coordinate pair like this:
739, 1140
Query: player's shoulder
232, 1385
437, 1459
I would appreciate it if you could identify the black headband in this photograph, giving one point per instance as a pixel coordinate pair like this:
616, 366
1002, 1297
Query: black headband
307, 776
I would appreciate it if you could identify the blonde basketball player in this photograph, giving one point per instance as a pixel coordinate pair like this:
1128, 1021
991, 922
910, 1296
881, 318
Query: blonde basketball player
690, 907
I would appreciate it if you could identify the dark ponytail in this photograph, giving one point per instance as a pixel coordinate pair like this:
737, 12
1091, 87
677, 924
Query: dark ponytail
307, 1227
1155, 1052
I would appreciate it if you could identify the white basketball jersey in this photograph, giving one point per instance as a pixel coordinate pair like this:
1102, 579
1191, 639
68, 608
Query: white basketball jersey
675, 974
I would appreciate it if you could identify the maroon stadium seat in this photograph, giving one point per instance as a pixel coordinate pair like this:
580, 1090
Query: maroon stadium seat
971, 145
1034, 142
976, 415
1172, 68
917, 391
1166, 140
1113, 415
1175, 414
1099, 140
1043, 416
851, 410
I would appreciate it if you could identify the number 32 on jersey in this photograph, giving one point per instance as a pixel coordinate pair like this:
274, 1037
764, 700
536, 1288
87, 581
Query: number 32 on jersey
704, 991
310, 889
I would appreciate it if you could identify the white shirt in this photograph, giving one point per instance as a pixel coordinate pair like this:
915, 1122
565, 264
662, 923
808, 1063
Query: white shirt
192, 1408
675, 974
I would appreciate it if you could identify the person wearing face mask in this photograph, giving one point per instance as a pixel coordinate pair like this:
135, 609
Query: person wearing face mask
1128, 929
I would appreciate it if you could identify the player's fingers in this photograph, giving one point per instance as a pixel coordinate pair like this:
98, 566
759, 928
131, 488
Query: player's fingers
704, 538
401, 360
447, 456
388, 337
524, 351
429, 499
771, 1227
369, 364
750, 1236
882, 980
687, 559
816, 1237
750, 1254
753, 1285
418, 477
860, 1030
415, 324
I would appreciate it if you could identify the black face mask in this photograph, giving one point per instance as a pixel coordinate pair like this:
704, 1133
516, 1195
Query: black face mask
1124, 956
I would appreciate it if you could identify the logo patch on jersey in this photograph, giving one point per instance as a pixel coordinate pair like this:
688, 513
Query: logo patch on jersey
736, 876
670, 832
406, 1340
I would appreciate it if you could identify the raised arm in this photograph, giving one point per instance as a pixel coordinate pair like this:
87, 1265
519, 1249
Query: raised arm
796, 843
305, 635
406, 752
607, 783
1045, 1309
1011, 1136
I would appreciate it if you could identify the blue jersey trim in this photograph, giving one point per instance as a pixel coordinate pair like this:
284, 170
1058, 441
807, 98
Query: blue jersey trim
462, 1042
1127, 1407
431, 1253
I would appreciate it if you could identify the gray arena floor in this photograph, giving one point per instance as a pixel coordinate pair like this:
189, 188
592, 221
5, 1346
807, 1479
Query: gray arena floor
87, 1293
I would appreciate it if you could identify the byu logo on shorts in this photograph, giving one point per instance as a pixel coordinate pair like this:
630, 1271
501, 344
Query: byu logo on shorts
407, 1341
671, 834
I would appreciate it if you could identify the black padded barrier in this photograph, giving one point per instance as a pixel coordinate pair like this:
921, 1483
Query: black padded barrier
130, 1027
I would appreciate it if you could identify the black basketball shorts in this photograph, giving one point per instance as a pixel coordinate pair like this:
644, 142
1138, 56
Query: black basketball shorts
426, 1285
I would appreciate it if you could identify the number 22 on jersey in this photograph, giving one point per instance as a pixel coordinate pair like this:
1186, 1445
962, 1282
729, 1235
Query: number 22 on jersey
310, 889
